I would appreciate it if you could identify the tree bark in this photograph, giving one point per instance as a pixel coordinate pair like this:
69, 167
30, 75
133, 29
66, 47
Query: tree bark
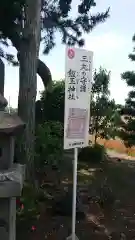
2, 77
96, 129
29, 50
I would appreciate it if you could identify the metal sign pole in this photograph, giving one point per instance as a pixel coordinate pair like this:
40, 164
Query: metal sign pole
73, 235
74, 193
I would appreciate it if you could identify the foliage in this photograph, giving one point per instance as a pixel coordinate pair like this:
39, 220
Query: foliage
100, 84
115, 123
55, 16
127, 132
49, 144
28, 212
104, 117
50, 107
92, 154
27, 205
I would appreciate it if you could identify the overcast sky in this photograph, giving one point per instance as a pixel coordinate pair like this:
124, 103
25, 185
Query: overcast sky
111, 43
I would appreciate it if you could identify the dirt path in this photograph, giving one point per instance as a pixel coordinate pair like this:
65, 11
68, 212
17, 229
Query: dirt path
122, 156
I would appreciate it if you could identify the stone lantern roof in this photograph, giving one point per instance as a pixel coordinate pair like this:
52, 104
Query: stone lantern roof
9, 123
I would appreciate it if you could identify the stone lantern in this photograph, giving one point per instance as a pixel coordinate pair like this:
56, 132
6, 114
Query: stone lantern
11, 175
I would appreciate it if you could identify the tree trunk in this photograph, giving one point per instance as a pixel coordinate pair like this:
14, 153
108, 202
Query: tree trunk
29, 50
96, 129
95, 140
2, 77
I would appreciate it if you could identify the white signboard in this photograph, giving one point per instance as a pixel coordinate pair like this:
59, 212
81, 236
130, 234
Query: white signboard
78, 76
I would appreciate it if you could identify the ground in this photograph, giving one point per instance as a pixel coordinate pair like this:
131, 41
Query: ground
111, 219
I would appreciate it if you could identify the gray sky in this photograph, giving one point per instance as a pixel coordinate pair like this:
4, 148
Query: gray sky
111, 43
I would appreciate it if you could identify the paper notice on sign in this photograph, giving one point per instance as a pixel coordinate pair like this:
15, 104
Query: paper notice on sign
78, 77
77, 120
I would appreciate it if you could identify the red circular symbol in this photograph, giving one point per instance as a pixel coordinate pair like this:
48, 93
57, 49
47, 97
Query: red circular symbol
71, 53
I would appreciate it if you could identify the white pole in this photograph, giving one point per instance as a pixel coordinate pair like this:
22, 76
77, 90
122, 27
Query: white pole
74, 193
9, 110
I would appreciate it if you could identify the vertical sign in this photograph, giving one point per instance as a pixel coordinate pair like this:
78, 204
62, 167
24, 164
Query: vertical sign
78, 76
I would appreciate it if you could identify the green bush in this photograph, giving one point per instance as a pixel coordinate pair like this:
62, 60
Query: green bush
49, 144
27, 204
92, 154
27, 211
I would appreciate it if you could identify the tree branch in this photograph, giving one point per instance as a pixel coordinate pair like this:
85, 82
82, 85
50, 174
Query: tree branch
42, 69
